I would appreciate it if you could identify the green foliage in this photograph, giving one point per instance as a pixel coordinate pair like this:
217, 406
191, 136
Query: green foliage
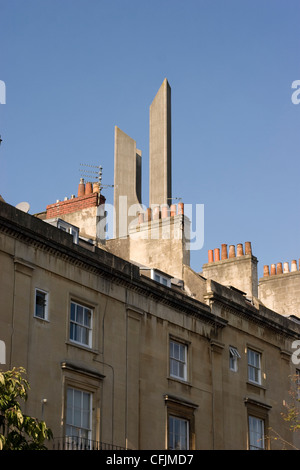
17, 430
292, 413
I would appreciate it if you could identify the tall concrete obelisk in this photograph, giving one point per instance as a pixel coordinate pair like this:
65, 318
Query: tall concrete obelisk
127, 182
160, 187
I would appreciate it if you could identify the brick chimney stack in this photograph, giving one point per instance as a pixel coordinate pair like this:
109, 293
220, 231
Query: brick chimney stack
237, 267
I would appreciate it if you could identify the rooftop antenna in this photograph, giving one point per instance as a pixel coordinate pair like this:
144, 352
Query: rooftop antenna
95, 175
175, 198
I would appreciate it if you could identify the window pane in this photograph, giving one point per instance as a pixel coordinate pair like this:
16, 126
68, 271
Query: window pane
78, 416
40, 304
182, 353
79, 314
178, 433
256, 433
176, 350
254, 373
73, 307
80, 324
178, 360
87, 317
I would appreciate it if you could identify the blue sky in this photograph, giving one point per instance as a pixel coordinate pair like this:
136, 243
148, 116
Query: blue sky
74, 69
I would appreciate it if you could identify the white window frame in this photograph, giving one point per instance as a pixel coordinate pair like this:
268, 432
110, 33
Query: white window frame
71, 229
78, 431
79, 329
178, 435
46, 300
158, 277
256, 433
234, 355
254, 366
178, 359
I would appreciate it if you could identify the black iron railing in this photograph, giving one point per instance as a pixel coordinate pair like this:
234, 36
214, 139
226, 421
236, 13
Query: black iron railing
69, 443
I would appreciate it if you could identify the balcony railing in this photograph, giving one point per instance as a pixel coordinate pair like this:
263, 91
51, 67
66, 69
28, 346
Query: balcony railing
69, 443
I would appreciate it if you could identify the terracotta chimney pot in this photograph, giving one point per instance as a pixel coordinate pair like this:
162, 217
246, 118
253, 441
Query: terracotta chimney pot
286, 267
239, 249
141, 217
148, 215
81, 188
156, 213
173, 210
231, 251
248, 249
217, 254
96, 188
210, 256
266, 271
164, 211
180, 208
224, 251
279, 268
293, 265
88, 188
273, 269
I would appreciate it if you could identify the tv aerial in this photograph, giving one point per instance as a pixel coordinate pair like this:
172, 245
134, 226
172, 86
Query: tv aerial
94, 173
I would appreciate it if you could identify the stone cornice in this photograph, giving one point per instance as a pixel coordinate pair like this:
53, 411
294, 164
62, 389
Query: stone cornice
38, 233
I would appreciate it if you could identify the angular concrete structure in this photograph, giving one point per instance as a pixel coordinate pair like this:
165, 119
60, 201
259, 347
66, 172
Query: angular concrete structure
127, 182
160, 189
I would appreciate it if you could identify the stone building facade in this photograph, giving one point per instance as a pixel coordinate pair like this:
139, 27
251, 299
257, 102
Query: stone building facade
125, 346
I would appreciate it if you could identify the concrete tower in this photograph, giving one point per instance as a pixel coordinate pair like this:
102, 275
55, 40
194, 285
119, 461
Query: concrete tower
160, 190
127, 182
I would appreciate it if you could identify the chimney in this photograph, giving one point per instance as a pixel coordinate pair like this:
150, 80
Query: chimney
156, 213
266, 271
96, 187
173, 210
141, 217
273, 269
88, 188
164, 211
239, 249
236, 268
148, 215
217, 254
231, 251
180, 208
248, 249
81, 188
293, 265
279, 268
224, 251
